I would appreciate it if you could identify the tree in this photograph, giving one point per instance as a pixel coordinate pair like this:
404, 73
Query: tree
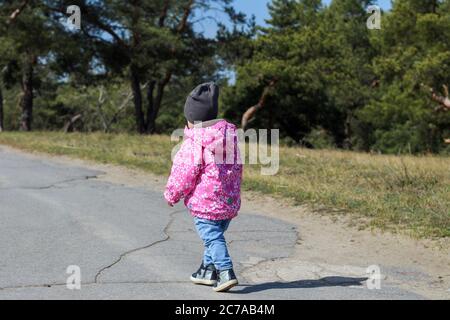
272, 74
413, 49
25, 24
151, 42
350, 78
334, 76
320, 59
8, 71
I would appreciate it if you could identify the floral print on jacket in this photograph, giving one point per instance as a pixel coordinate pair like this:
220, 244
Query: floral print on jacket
207, 172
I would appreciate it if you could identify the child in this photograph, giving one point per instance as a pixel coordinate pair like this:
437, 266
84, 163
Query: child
207, 173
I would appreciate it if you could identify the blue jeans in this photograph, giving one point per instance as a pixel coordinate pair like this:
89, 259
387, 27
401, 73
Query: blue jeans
216, 252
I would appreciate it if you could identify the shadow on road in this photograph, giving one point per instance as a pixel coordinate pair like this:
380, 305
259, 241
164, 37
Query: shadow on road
334, 281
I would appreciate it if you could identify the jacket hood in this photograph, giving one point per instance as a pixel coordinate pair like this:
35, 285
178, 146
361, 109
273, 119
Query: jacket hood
211, 133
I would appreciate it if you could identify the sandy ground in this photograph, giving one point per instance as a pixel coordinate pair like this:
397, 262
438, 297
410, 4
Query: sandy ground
328, 245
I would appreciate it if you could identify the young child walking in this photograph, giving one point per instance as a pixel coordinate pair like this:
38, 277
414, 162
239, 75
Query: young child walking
207, 173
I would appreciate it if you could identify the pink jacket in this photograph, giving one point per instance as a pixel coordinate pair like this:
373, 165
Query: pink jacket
207, 172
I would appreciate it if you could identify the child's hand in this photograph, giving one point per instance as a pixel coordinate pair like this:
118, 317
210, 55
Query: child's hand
170, 204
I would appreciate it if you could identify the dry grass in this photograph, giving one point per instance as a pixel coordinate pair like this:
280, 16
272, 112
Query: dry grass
408, 194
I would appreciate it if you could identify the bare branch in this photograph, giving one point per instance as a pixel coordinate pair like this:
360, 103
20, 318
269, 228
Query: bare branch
445, 87
250, 113
122, 107
128, 97
442, 100
101, 101
107, 124
187, 12
18, 11
163, 15
69, 124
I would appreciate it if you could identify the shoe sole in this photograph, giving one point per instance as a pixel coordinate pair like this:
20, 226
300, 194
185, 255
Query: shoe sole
226, 286
203, 281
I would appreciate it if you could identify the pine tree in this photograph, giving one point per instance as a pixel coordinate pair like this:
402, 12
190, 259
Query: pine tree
413, 54
29, 35
151, 42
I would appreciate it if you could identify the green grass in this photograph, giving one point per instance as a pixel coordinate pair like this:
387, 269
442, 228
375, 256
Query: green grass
408, 194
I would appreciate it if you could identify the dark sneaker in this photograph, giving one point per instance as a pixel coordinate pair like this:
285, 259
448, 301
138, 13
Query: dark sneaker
226, 280
205, 275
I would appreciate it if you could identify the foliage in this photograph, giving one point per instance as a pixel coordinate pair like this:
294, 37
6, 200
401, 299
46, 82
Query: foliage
337, 83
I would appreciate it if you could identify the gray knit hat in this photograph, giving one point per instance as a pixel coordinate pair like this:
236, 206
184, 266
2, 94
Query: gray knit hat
202, 104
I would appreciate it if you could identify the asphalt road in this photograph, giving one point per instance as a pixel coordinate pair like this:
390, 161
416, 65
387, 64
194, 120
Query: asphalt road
129, 244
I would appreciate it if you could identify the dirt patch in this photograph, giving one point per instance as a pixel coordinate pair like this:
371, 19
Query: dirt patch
328, 245
334, 246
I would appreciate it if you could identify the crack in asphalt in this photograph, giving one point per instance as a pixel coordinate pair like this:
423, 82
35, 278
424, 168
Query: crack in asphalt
119, 259
53, 185
264, 260
50, 285
126, 253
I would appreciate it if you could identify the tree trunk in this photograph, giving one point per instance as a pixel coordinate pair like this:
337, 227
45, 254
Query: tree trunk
26, 102
442, 100
347, 144
137, 99
157, 106
150, 104
18, 11
151, 120
250, 113
1, 110
156, 103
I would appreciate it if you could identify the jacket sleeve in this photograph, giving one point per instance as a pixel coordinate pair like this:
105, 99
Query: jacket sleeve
186, 168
